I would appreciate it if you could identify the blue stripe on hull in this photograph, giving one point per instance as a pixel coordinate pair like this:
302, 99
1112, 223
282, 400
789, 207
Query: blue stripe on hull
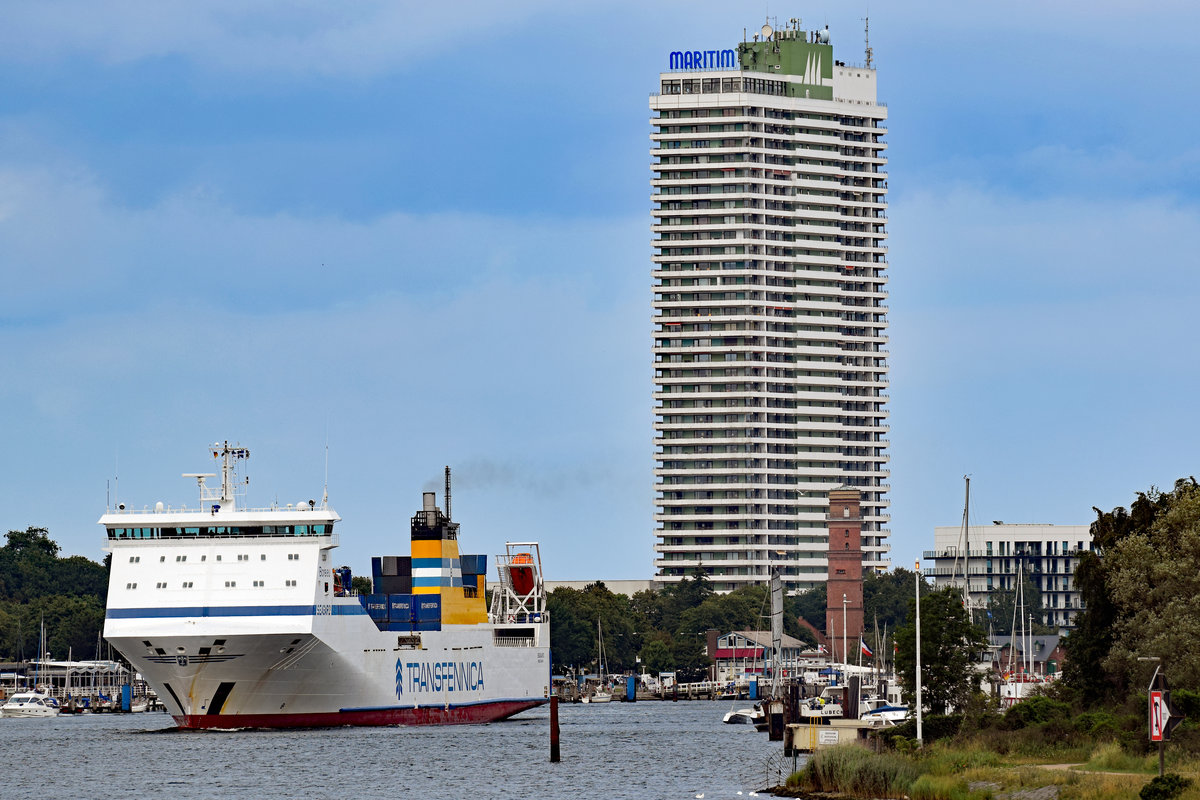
230, 611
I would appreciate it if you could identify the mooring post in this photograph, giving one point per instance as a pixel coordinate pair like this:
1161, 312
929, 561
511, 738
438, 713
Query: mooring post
554, 754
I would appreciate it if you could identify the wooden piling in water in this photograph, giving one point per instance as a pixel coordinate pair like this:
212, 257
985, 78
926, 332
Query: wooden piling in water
554, 752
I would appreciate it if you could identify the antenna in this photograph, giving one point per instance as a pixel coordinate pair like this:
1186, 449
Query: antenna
325, 496
867, 36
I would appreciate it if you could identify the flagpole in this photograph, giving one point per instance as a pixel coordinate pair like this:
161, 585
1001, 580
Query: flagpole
917, 573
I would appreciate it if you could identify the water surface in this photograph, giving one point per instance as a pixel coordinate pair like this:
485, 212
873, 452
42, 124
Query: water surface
616, 750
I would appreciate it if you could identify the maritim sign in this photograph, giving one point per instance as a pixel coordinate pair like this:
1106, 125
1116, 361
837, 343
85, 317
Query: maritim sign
703, 59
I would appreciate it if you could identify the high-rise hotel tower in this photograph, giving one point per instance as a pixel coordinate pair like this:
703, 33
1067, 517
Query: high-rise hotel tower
770, 359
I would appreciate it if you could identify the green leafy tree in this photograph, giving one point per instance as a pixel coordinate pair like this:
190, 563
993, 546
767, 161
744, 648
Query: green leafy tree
810, 605
1153, 576
1087, 668
658, 656
950, 646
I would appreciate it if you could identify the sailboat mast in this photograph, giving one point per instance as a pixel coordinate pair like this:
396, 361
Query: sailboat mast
776, 631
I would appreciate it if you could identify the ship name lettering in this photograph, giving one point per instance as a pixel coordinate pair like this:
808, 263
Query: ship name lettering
440, 676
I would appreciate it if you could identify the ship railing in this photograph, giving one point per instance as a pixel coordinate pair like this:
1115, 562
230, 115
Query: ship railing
514, 641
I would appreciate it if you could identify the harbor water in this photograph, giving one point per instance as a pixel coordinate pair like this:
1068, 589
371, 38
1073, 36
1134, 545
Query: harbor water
615, 750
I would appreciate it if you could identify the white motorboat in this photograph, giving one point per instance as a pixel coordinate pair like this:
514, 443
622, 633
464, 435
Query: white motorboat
30, 704
744, 716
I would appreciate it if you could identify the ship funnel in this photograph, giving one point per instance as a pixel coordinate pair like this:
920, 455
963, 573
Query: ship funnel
428, 501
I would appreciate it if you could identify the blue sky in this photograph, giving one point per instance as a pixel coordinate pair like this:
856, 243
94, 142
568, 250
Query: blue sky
421, 234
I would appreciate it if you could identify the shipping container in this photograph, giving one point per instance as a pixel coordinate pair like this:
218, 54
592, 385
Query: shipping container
400, 627
393, 584
429, 606
427, 625
400, 608
377, 607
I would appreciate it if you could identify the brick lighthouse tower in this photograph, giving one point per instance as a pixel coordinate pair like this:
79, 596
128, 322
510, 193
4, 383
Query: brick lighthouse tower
845, 574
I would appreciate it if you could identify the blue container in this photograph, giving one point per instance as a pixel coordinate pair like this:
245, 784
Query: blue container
427, 625
400, 627
377, 607
429, 608
400, 608
473, 565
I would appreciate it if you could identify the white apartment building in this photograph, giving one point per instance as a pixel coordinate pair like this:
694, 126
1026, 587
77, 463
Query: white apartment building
993, 557
769, 236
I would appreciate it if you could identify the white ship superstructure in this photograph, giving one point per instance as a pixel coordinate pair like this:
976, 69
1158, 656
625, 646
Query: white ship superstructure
237, 617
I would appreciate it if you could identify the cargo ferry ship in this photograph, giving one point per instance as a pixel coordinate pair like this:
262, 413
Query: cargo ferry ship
238, 617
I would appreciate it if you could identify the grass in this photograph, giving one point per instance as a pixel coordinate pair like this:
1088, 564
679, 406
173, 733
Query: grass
945, 772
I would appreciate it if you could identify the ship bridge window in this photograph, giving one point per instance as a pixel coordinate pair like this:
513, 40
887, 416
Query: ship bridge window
302, 530
133, 533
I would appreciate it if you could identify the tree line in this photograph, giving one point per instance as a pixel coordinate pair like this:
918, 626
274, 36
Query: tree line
665, 629
36, 586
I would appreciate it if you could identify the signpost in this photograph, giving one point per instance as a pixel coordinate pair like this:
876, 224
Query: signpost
1162, 719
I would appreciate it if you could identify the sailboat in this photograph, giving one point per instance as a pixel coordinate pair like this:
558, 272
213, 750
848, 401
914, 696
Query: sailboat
600, 694
1019, 681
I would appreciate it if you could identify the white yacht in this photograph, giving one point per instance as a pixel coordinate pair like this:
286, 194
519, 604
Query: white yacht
30, 704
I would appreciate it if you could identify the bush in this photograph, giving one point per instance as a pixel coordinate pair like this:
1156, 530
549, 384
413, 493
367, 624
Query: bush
1165, 787
933, 728
1098, 725
1035, 711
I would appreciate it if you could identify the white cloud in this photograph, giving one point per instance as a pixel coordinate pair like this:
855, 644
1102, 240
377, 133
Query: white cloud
355, 38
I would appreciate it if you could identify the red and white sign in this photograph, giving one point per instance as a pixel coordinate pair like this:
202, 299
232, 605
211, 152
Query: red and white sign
1159, 714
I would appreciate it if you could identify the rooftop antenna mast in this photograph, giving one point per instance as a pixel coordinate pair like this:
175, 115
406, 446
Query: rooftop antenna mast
867, 35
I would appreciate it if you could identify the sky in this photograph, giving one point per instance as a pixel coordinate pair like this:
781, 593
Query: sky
368, 240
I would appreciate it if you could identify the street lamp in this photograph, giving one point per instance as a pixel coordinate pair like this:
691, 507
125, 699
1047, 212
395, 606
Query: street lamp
918, 582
